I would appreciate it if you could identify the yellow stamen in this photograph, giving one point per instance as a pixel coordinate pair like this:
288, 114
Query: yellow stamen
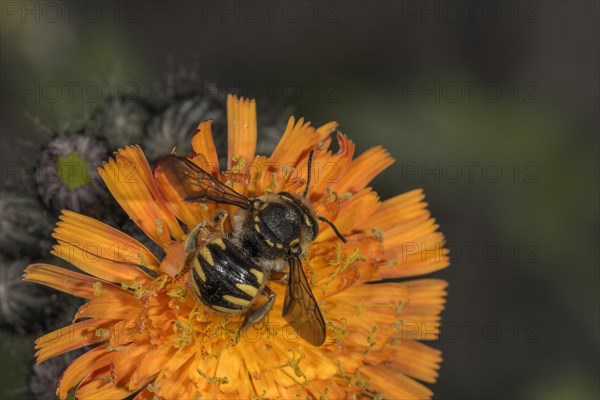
97, 288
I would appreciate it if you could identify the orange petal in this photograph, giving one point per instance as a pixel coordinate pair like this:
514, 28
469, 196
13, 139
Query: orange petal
130, 180
365, 306
90, 262
316, 364
175, 372
328, 389
125, 363
262, 381
411, 241
111, 306
421, 315
231, 365
203, 143
102, 240
208, 366
415, 248
241, 129
69, 338
328, 168
410, 357
400, 209
174, 259
375, 295
363, 169
81, 368
258, 176
144, 394
330, 284
394, 384
298, 138
353, 213
125, 332
100, 386
154, 360
74, 283
178, 385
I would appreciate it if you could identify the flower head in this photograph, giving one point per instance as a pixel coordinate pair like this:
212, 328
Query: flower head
67, 178
153, 337
119, 121
24, 226
174, 126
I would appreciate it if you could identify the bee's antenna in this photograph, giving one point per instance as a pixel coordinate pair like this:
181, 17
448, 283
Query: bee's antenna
342, 238
309, 175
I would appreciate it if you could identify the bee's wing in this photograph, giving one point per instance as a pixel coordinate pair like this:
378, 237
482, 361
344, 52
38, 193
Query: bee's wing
300, 308
195, 184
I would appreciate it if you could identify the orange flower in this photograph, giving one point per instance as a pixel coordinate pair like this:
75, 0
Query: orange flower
152, 336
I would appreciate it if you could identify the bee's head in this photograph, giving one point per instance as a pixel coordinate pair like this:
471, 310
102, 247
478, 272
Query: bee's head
286, 220
304, 216
309, 224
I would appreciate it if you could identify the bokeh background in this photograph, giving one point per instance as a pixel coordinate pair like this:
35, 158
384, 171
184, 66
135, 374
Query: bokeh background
491, 107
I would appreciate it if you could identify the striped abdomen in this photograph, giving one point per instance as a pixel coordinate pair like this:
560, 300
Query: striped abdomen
223, 279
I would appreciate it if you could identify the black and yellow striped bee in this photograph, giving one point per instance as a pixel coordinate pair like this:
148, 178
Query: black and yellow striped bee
270, 235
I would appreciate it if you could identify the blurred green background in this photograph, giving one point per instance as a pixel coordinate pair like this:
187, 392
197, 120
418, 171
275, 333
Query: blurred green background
491, 107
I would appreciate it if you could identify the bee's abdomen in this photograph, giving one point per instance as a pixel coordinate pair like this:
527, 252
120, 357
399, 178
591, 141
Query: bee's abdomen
223, 280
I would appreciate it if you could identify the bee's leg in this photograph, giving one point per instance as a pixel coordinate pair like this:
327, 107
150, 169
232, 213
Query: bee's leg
280, 277
191, 243
218, 219
285, 279
190, 246
255, 316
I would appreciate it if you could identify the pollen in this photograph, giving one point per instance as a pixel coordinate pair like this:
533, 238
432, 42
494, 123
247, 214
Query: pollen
371, 339
378, 234
177, 292
102, 332
159, 226
97, 288
213, 379
238, 163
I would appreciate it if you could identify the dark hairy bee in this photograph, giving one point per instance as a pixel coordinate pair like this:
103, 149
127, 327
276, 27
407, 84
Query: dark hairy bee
271, 233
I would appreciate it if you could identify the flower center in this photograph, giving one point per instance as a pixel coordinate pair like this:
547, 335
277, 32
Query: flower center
72, 170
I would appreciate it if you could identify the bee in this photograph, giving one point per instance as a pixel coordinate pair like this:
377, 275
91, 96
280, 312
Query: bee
271, 234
